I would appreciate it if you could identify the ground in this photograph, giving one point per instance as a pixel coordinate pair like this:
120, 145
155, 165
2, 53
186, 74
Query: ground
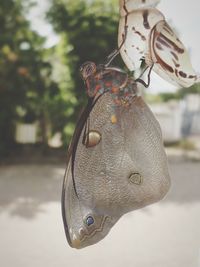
165, 234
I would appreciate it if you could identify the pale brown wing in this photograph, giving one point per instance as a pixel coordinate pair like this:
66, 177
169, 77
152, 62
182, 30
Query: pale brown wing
83, 226
123, 167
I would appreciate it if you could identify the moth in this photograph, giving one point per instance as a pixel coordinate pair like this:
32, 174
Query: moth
144, 35
116, 162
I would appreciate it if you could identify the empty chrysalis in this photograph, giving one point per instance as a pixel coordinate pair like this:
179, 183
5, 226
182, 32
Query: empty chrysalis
144, 35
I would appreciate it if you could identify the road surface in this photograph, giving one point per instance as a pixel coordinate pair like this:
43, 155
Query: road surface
166, 234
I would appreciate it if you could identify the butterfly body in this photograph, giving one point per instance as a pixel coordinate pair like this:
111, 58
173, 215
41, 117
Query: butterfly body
145, 35
113, 168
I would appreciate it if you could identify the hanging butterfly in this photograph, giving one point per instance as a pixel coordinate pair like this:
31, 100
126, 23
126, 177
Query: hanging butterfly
116, 161
144, 35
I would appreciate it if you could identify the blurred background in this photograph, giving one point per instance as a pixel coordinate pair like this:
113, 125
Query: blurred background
42, 45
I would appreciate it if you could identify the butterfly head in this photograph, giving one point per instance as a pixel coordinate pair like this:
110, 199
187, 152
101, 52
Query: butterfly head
100, 79
88, 69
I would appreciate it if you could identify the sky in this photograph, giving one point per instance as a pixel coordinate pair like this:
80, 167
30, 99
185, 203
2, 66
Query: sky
183, 15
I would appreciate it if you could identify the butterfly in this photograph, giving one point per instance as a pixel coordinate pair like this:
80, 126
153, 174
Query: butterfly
116, 162
145, 36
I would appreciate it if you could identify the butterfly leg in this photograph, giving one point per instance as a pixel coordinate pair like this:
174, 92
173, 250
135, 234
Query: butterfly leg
148, 76
116, 52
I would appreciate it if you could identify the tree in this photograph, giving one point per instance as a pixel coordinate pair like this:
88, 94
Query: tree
88, 32
25, 75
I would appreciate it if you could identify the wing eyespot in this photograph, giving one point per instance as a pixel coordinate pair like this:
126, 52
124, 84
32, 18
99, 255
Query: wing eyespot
135, 178
92, 139
89, 220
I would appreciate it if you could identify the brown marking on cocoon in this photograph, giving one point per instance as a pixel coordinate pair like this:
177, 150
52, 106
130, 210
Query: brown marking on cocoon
161, 41
145, 19
174, 55
182, 74
167, 29
176, 64
139, 33
124, 7
192, 76
176, 72
138, 101
162, 63
159, 46
175, 47
166, 66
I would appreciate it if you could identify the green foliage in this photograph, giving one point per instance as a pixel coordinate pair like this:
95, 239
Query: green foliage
44, 84
88, 33
180, 94
91, 31
25, 82
165, 97
194, 89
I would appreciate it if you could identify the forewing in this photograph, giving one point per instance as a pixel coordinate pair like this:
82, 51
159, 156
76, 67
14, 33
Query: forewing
84, 226
171, 58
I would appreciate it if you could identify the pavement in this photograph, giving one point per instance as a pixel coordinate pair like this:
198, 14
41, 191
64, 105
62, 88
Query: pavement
165, 234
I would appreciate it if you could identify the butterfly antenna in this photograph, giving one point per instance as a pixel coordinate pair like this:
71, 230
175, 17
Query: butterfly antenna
116, 52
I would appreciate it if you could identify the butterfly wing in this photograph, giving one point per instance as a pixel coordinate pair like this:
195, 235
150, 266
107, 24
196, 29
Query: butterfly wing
126, 172
113, 168
171, 58
83, 226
